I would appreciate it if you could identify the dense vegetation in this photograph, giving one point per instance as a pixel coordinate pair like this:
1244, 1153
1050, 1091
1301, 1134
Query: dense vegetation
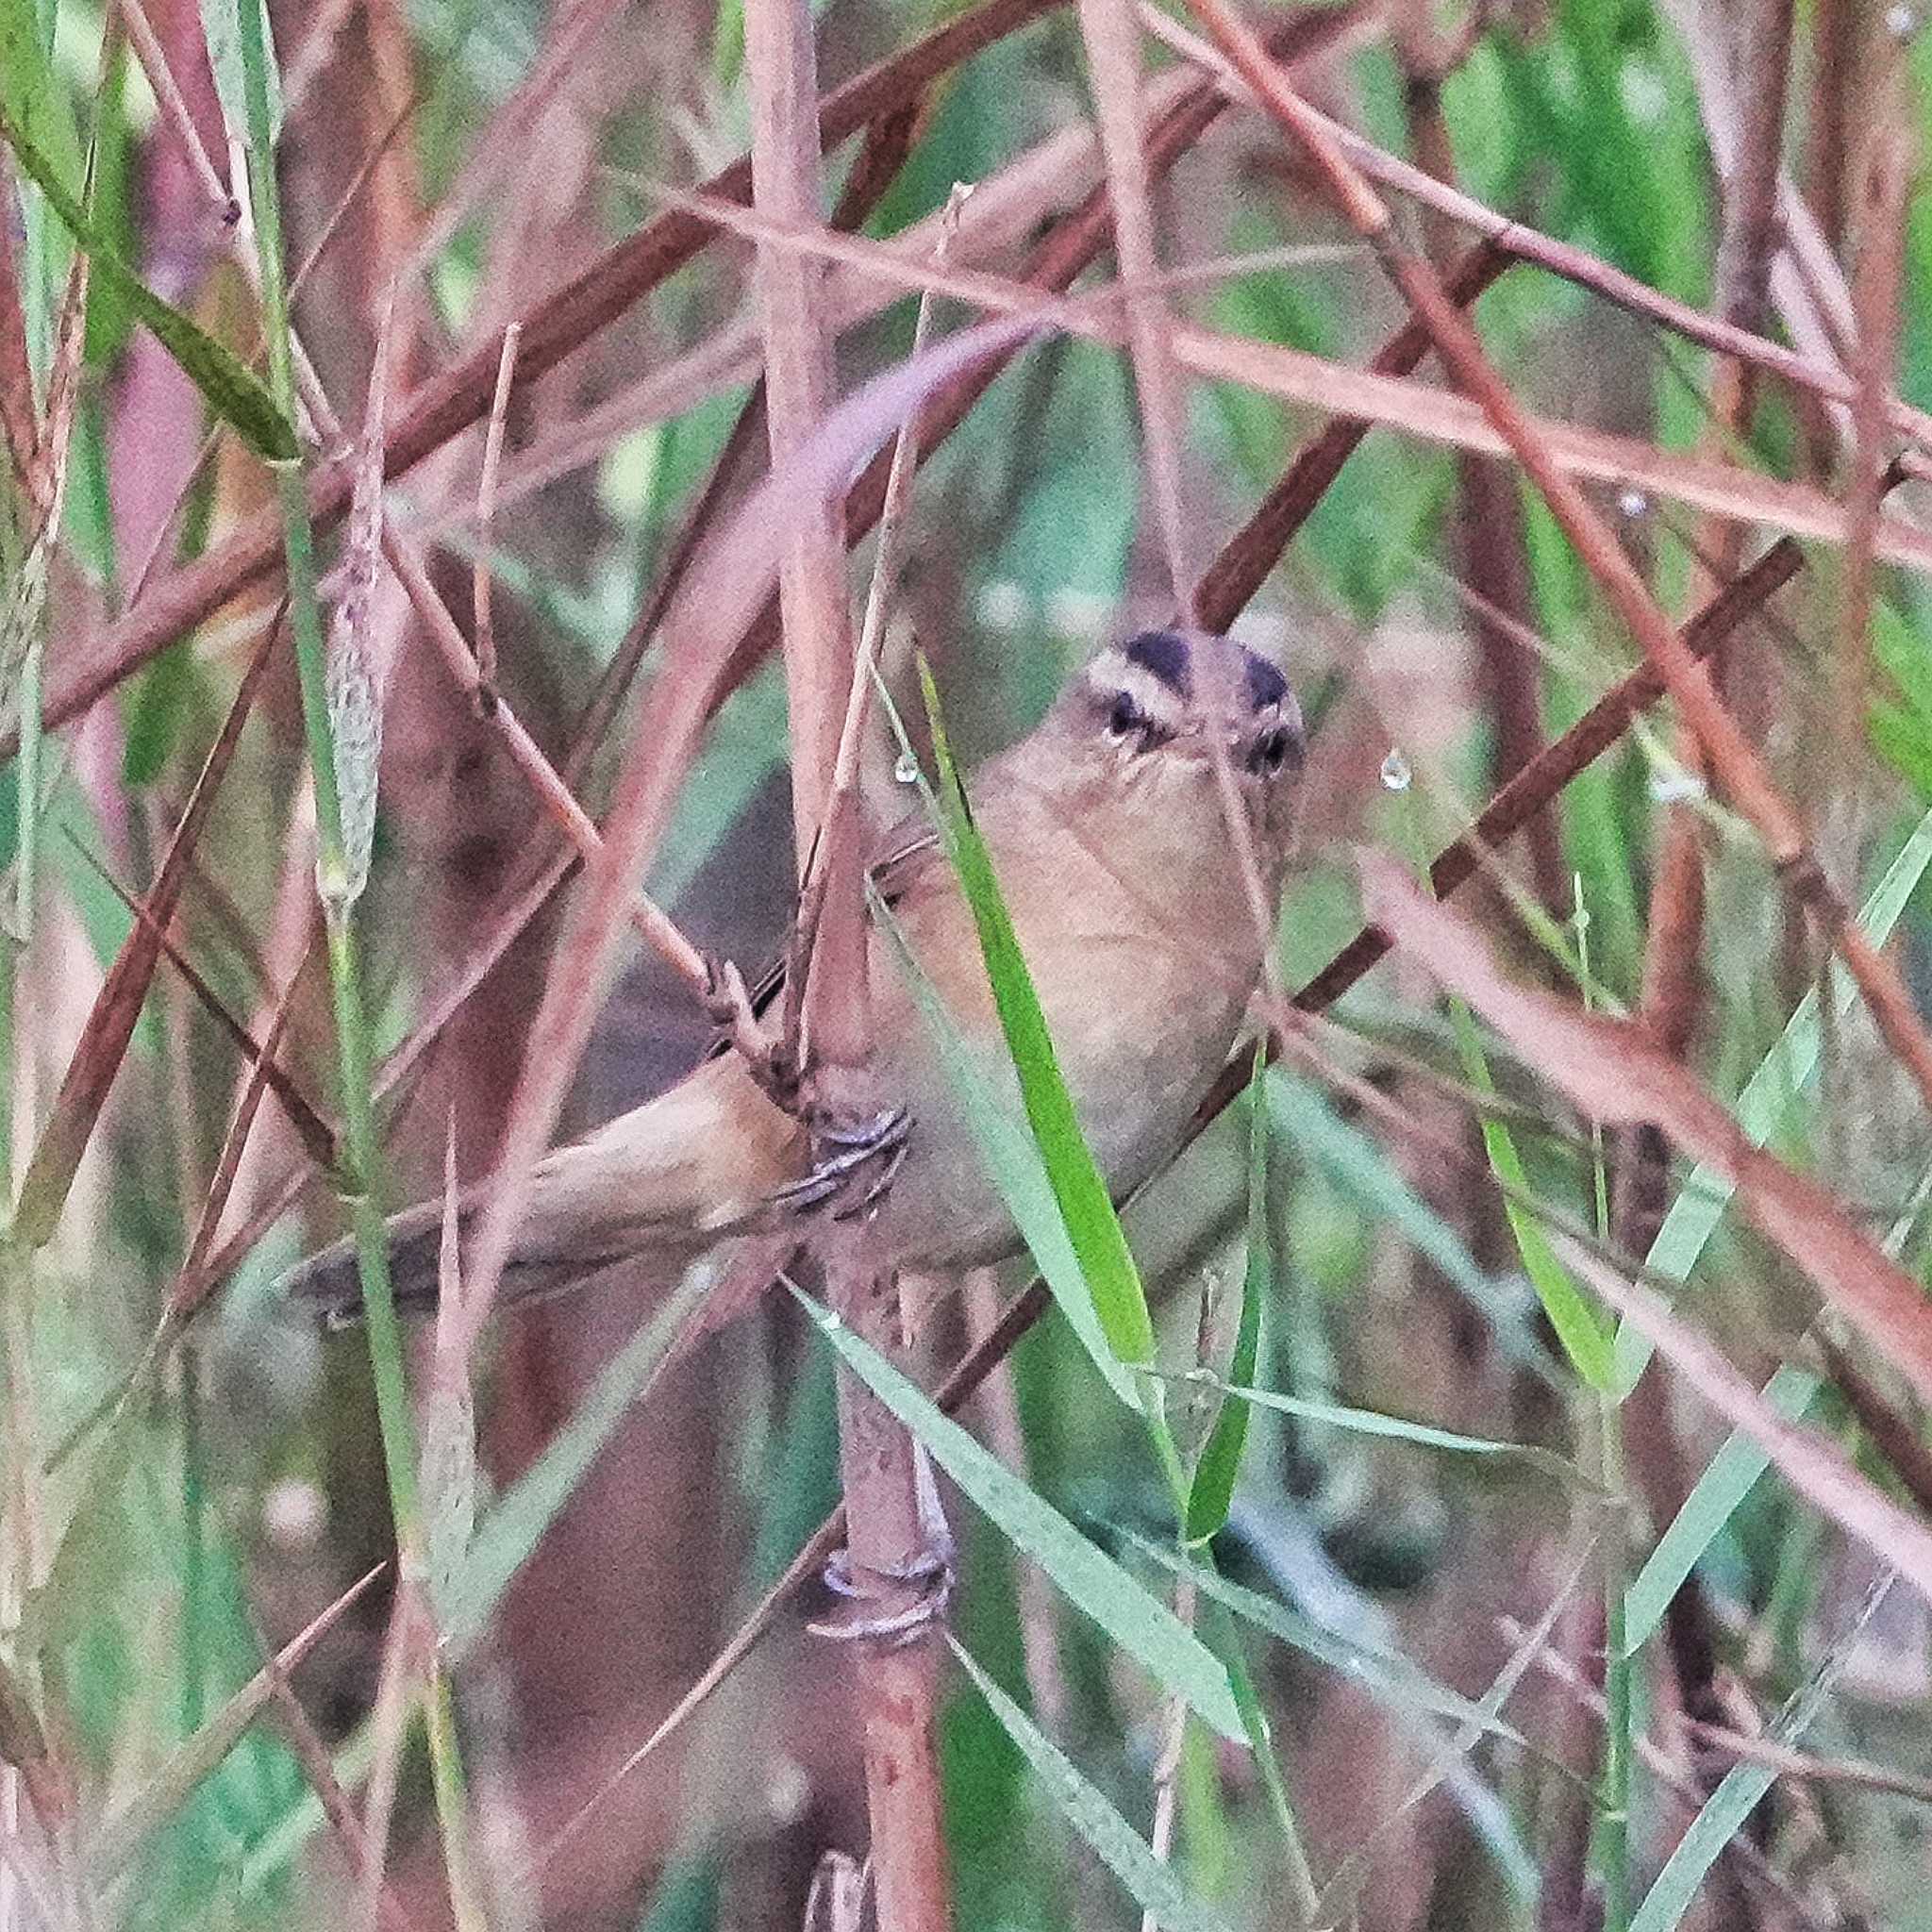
1489, 1485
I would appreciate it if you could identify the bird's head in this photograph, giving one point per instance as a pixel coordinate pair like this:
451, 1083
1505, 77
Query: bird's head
1141, 722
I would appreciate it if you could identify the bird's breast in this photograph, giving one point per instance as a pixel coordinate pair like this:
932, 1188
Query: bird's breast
1141, 1018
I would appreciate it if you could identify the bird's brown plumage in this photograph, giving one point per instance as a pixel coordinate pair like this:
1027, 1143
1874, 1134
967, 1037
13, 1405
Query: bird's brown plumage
1123, 879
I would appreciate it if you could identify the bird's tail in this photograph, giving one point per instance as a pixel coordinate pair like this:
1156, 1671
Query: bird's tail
668, 1179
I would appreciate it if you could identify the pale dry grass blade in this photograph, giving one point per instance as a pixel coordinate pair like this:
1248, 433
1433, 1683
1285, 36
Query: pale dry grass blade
1614, 1073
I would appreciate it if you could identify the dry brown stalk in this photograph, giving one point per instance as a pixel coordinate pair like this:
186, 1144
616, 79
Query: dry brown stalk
317, 1137
254, 1085
1737, 763
110, 1025
553, 327
1253, 551
1419, 409
1112, 41
17, 425
1895, 1436
652, 924
1592, 734
1885, 188
311, 1753
898, 1685
1671, 1000
160, 77
484, 578
1489, 524
1812, 375
882, 153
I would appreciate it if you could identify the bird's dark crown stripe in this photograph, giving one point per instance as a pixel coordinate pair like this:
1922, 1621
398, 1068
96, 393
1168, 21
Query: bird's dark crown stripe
1165, 656
1266, 685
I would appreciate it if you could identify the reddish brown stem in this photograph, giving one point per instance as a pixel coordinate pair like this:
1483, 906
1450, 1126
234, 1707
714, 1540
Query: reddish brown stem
898, 1685
1733, 758
553, 327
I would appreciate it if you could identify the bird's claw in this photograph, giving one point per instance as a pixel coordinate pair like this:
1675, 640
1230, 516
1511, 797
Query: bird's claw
928, 1575
727, 1003
850, 1179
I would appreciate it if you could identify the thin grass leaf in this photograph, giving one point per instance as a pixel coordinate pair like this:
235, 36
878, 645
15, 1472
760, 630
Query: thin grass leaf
1211, 1489
1385, 1675
1014, 1165
220, 23
1308, 1903
1785, 1073
123, 1833
1739, 1792
1105, 1261
1370, 1422
1152, 1883
33, 97
512, 1526
1137, 1620
1714, 1499
1362, 1166
225, 383
1588, 1344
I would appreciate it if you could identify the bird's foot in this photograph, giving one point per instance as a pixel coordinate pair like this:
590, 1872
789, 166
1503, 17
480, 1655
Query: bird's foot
728, 1004
928, 1578
856, 1161
922, 1585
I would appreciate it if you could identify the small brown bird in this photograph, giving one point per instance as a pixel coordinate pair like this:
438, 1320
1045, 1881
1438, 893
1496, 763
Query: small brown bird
1108, 833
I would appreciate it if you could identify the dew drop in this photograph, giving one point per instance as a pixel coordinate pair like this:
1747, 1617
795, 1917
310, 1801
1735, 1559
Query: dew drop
1395, 772
1633, 503
906, 768
1676, 787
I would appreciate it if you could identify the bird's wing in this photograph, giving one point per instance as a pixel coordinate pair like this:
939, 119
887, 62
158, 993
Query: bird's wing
903, 854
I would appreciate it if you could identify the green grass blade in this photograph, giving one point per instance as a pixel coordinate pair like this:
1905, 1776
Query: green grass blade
228, 387
1785, 1071
220, 23
1362, 1167
1308, 1903
510, 1529
1092, 1225
1013, 1164
1156, 1889
1394, 1679
1137, 1620
1740, 1790
1714, 1498
1371, 1422
1211, 1491
1586, 1339
33, 98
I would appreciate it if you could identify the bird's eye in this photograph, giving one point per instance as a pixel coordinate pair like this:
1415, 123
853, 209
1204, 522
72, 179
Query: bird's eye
1271, 751
1126, 718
